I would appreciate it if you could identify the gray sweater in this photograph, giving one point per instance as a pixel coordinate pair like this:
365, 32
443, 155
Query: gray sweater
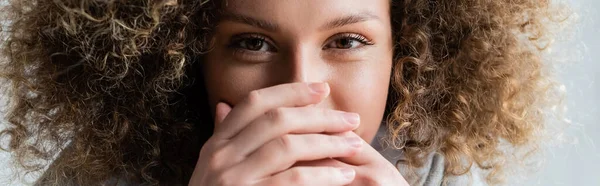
431, 173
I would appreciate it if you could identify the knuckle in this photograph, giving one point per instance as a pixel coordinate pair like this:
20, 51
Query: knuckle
298, 177
278, 150
285, 143
213, 164
231, 178
224, 179
216, 161
277, 116
207, 148
254, 97
220, 152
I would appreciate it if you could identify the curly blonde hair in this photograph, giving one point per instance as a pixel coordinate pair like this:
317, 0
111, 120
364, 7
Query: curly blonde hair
112, 87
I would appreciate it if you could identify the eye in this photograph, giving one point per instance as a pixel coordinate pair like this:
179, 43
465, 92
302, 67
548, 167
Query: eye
347, 41
252, 42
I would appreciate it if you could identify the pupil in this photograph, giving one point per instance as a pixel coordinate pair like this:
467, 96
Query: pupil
344, 43
255, 44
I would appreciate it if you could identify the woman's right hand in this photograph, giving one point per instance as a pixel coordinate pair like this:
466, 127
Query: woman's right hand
259, 140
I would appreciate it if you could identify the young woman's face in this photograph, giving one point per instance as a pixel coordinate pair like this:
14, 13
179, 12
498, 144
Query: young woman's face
346, 43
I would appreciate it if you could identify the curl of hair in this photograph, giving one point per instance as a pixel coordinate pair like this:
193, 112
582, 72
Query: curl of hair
105, 85
100, 82
469, 81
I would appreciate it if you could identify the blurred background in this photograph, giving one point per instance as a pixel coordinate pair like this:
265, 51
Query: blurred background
572, 157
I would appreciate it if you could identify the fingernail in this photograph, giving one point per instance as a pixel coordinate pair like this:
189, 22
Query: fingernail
349, 173
352, 118
318, 88
354, 141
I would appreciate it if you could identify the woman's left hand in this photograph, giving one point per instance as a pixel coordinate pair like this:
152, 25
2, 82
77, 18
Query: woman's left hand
372, 169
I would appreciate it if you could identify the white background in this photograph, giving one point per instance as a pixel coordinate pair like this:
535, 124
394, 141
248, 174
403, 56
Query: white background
574, 157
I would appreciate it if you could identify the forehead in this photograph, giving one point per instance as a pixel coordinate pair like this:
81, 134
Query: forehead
301, 4
306, 12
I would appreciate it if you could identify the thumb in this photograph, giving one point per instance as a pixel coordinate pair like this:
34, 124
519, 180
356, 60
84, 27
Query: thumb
221, 111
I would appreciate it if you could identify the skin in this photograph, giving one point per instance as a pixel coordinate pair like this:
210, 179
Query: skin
299, 91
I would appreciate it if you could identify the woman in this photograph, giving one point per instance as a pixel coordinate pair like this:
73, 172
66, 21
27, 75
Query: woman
270, 92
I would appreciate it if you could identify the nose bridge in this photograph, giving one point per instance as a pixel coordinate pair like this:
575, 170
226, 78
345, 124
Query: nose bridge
304, 64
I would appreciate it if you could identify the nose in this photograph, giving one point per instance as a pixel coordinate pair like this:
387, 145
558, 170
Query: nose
305, 65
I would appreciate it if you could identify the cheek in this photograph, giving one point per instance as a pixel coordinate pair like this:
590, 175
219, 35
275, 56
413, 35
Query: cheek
363, 90
230, 82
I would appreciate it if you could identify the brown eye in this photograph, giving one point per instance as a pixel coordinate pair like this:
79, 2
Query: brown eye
347, 41
252, 43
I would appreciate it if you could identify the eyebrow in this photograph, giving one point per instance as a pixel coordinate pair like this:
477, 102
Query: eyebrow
266, 25
273, 27
350, 19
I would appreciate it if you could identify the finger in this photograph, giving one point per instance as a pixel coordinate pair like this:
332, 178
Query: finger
366, 155
295, 120
221, 111
281, 153
260, 101
312, 176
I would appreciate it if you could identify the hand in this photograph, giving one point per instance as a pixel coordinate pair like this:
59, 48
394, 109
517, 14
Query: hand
372, 169
258, 141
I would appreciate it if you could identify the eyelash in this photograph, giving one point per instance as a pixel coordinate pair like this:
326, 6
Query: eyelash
352, 36
238, 39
